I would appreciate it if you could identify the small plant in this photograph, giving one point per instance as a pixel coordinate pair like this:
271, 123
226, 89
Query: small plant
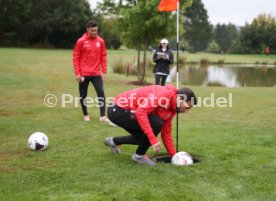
118, 67
264, 62
257, 62
150, 65
221, 62
204, 62
182, 60
130, 69
215, 84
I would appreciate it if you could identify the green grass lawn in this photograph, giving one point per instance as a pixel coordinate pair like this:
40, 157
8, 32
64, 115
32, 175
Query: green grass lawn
236, 145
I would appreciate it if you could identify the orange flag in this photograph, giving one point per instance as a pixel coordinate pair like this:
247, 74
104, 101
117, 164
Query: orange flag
167, 5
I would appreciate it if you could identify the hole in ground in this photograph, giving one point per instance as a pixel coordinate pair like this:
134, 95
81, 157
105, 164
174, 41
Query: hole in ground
167, 159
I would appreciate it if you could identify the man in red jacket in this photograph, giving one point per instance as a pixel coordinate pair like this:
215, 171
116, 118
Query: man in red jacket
144, 112
89, 59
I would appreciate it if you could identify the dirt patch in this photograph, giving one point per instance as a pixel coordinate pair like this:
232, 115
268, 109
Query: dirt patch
14, 113
4, 156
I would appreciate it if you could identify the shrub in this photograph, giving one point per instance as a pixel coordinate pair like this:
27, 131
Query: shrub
182, 60
130, 69
118, 67
215, 84
221, 62
204, 62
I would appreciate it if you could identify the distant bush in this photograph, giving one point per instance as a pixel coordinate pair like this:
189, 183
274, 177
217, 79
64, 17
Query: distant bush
221, 62
264, 62
118, 67
150, 65
204, 62
215, 84
182, 60
126, 68
131, 69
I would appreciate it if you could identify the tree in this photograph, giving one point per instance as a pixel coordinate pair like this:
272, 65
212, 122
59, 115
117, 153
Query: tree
13, 16
259, 34
141, 25
224, 35
197, 27
109, 31
52, 21
213, 47
44, 21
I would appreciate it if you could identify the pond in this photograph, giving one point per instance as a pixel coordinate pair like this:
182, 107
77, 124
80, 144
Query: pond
228, 75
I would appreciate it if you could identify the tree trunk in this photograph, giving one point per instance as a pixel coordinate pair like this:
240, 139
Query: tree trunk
138, 62
144, 64
46, 40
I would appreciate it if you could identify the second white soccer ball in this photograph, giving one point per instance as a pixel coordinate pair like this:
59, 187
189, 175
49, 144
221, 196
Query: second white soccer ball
182, 158
38, 141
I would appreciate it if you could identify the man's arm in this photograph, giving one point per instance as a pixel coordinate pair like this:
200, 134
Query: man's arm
103, 58
76, 58
166, 134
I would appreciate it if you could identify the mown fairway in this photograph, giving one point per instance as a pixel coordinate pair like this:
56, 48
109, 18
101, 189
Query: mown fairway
236, 145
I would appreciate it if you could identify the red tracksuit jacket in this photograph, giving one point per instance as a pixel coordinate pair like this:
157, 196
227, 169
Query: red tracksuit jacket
155, 99
89, 56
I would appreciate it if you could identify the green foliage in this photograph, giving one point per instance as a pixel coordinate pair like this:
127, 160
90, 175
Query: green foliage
198, 30
110, 32
225, 35
142, 24
119, 67
14, 14
213, 47
58, 22
255, 37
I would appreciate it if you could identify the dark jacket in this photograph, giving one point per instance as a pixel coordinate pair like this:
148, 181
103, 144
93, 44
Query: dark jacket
162, 65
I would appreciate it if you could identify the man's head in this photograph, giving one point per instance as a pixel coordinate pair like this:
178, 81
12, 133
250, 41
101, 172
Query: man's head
92, 28
186, 99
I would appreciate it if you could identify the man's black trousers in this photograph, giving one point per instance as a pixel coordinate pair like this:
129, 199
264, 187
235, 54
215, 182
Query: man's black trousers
98, 85
126, 119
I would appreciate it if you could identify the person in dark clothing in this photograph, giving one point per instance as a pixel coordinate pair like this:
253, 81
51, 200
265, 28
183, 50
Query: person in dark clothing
163, 57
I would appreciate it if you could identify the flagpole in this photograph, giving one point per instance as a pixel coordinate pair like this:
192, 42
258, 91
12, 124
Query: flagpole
177, 76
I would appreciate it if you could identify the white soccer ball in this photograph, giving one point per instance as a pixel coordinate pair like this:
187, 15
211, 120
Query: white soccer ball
38, 141
182, 158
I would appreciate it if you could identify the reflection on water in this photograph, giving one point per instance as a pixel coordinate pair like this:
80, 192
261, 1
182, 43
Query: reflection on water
229, 76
